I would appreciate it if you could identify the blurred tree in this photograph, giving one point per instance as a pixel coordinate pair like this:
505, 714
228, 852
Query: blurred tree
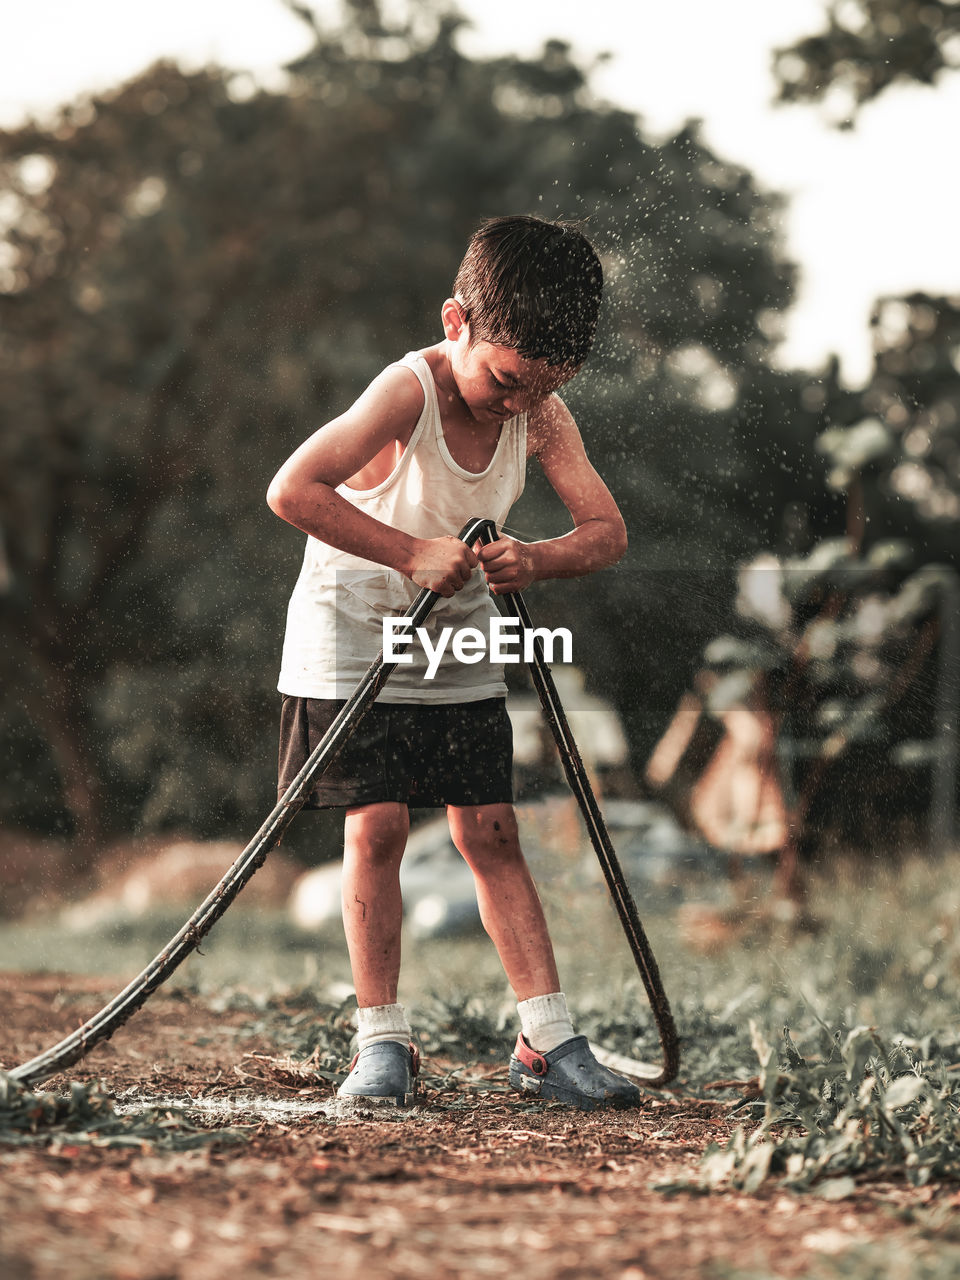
852, 636
867, 46
195, 273
855, 643
894, 445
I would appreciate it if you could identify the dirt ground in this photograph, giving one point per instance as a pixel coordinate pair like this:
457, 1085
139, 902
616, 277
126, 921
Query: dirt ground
469, 1182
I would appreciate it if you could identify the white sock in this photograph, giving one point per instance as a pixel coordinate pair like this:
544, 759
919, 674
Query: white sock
381, 1022
545, 1021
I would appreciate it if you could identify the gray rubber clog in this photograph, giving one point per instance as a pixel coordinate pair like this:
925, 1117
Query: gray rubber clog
571, 1074
383, 1072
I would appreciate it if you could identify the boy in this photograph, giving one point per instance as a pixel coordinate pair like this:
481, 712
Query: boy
439, 437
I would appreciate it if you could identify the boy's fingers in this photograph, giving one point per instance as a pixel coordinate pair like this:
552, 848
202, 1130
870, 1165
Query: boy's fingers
494, 550
465, 552
499, 573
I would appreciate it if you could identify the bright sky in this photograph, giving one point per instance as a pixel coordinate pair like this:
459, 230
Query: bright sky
871, 211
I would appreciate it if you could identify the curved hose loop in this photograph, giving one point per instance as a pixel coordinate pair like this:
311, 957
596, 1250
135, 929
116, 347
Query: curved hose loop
579, 782
113, 1015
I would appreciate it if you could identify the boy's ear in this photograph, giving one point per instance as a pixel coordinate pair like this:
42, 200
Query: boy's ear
454, 321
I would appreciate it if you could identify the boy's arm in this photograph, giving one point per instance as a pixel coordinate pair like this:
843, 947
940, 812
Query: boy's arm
599, 535
303, 492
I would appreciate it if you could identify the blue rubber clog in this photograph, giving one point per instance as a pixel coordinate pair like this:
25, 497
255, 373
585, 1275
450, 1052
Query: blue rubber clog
383, 1072
571, 1074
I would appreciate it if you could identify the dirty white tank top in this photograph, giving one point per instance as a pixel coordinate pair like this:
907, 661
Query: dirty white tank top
334, 620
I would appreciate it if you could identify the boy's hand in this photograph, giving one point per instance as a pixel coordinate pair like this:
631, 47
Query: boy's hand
443, 565
507, 565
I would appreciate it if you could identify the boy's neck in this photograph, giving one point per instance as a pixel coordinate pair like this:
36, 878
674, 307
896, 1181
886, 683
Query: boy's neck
453, 408
438, 358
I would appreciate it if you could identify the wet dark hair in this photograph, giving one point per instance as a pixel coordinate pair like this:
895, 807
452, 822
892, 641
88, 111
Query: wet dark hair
531, 285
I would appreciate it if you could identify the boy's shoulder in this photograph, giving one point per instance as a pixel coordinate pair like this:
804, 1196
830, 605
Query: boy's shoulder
550, 423
396, 390
401, 379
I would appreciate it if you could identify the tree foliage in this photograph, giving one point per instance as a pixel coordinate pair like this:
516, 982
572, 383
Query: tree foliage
194, 274
845, 626
869, 45
910, 409
850, 640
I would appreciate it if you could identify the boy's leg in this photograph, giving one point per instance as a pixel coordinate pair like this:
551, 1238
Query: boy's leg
374, 838
549, 1060
509, 904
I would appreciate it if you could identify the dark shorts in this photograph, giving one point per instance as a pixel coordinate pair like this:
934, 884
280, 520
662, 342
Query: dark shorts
420, 755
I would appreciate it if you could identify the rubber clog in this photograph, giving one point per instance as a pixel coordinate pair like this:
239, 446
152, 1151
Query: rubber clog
383, 1072
571, 1074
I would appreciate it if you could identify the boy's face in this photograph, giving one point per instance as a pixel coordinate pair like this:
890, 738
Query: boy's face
497, 383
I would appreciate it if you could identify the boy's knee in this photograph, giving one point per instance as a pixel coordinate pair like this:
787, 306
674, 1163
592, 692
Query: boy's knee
486, 832
377, 831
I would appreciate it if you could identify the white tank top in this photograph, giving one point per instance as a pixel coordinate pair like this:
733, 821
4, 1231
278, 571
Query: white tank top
334, 620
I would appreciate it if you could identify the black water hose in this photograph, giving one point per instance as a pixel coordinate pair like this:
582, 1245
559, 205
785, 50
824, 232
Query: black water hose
113, 1015
576, 775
